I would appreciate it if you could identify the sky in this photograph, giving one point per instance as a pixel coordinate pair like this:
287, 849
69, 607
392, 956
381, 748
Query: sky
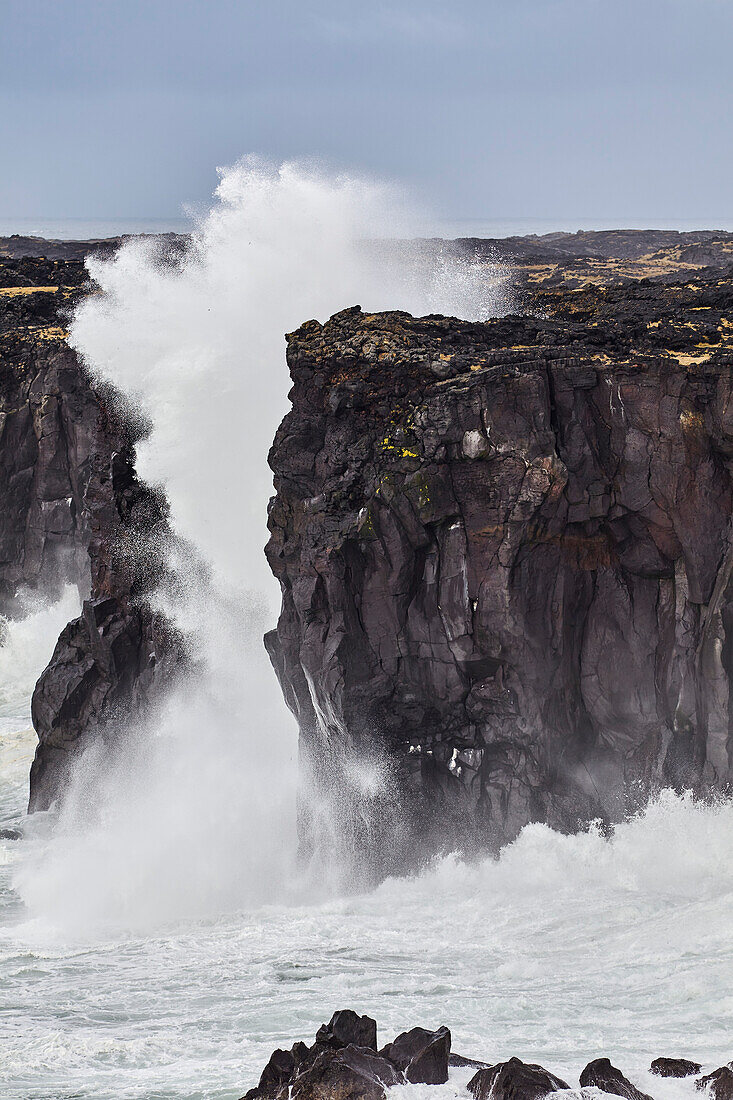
587, 109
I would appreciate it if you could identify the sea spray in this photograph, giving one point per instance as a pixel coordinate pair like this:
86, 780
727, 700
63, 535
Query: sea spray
563, 949
192, 812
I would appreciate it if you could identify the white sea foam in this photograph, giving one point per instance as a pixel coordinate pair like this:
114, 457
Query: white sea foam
195, 814
564, 949
166, 948
26, 645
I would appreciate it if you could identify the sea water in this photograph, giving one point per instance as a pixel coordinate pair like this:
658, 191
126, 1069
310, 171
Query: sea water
160, 936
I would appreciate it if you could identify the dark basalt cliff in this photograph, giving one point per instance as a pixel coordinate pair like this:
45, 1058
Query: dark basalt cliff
73, 511
505, 557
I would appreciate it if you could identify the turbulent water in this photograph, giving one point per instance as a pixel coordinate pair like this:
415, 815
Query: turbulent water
160, 937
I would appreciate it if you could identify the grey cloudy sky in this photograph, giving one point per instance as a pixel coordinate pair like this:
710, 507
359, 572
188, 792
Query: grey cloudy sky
615, 109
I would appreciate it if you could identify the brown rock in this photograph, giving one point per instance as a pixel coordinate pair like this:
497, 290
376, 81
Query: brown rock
514, 1080
607, 1077
421, 1055
674, 1067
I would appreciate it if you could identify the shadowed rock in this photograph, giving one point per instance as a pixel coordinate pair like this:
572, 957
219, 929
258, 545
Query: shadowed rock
74, 511
674, 1067
352, 1073
603, 1075
345, 1028
277, 1074
719, 1083
457, 1061
505, 555
421, 1055
514, 1080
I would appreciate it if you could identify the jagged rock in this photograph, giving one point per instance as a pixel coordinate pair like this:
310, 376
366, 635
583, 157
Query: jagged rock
514, 1080
277, 1073
674, 1067
74, 511
421, 1055
606, 1077
457, 1061
719, 1083
345, 1028
351, 1073
534, 628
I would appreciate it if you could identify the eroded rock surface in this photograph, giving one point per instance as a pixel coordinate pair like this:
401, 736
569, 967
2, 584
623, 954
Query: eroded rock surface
74, 512
505, 558
674, 1067
514, 1080
719, 1083
605, 1076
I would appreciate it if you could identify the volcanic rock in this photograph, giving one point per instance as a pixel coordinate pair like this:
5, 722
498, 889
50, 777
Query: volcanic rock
606, 1077
345, 1028
506, 587
674, 1067
277, 1073
514, 1080
352, 1073
75, 512
421, 1055
719, 1083
457, 1061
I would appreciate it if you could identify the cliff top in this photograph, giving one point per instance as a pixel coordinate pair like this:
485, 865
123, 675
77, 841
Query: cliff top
688, 322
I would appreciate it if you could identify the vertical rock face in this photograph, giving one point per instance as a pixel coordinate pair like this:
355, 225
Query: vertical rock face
74, 511
506, 565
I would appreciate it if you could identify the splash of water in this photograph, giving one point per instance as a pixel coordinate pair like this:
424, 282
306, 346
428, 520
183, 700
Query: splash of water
26, 645
195, 814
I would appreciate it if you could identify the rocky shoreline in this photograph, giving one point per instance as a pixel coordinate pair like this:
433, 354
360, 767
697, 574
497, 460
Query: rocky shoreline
505, 555
345, 1063
504, 548
75, 512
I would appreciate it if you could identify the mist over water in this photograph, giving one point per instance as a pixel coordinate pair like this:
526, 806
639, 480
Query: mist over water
195, 813
159, 938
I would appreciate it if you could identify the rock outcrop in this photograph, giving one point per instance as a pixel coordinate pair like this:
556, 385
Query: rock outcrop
514, 1080
719, 1083
505, 557
338, 1068
343, 1063
74, 511
602, 1075
674, 1067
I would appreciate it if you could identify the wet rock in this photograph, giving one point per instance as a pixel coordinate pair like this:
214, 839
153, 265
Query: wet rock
351, 1073
74, 512
674, 1067
457, 1061
421, 1055
719, 1083
603, 1075
345, 1028
514, 1080
516, 584
278, 1073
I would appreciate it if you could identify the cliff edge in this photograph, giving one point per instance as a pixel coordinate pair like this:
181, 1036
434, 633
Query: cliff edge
75, 512
505, 557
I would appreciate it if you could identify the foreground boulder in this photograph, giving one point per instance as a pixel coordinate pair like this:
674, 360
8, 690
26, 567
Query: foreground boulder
343, 1063
421, 1055
352, 1073
514, 1080
674, 1067
607, 1077
719, 1083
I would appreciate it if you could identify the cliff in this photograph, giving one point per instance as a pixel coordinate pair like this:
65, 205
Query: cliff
73, 511
505, 559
